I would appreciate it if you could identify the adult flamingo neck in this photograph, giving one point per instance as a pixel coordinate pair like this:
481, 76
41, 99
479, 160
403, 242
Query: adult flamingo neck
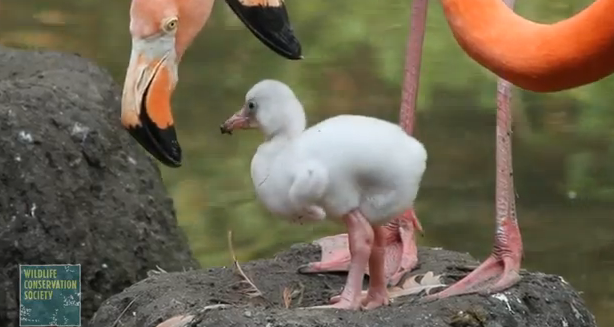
193, 14
536, 57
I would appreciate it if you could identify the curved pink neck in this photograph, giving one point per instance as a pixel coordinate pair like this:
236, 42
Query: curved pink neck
536, 57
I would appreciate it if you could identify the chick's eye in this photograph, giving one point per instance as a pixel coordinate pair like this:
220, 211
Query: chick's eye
251, 105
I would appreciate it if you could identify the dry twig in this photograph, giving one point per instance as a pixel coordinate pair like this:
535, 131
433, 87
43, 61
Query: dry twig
124, 311
157, 271
252, 290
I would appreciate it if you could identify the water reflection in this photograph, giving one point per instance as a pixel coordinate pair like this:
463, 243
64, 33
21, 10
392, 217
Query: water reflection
354, 55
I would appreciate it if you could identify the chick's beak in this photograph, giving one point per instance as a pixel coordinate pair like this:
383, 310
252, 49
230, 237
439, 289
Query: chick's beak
146, 109
240, 120
268, 20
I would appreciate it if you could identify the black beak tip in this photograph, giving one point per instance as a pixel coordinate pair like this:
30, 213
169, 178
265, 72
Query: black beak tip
271, 25
168, 153
293, 54
225, 130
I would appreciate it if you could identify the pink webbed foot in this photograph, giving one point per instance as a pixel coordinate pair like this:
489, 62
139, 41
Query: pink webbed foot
366, 303
342, 305
400, 257
497, 273
377, 294
361, 237
492, 276
376, 299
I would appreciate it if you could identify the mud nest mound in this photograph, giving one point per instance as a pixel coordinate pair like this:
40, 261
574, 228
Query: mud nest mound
75, 187
217, 297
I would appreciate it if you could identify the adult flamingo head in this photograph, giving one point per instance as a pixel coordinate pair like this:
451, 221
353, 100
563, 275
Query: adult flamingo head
161, 31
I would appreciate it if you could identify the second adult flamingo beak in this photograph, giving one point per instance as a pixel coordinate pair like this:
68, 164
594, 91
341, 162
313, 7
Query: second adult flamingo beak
268, 20
146, 98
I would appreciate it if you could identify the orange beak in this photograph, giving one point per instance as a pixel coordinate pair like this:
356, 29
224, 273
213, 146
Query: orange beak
240, 120
146, 109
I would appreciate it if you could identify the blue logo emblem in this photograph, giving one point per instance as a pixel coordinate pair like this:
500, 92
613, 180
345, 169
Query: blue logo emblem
50, 295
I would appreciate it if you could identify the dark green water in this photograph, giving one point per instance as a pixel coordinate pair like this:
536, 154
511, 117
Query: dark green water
563, 142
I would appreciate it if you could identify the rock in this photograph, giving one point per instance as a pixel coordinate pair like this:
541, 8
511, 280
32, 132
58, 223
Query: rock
75, 187
215, 297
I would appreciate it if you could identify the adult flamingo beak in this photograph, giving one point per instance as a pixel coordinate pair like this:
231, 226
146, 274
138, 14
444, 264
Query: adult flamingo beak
146, 110
268, 21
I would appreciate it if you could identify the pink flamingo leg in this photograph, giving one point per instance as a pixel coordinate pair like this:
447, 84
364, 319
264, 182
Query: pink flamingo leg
502, 269
401, 254
361, 238
400, 250
377, 294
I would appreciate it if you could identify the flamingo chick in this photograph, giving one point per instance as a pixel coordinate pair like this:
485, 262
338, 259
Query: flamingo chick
401, 249
361, 170
161, 32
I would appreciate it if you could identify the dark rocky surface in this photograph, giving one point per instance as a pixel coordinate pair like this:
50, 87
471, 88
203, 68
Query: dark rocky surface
75, 187
215, 297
